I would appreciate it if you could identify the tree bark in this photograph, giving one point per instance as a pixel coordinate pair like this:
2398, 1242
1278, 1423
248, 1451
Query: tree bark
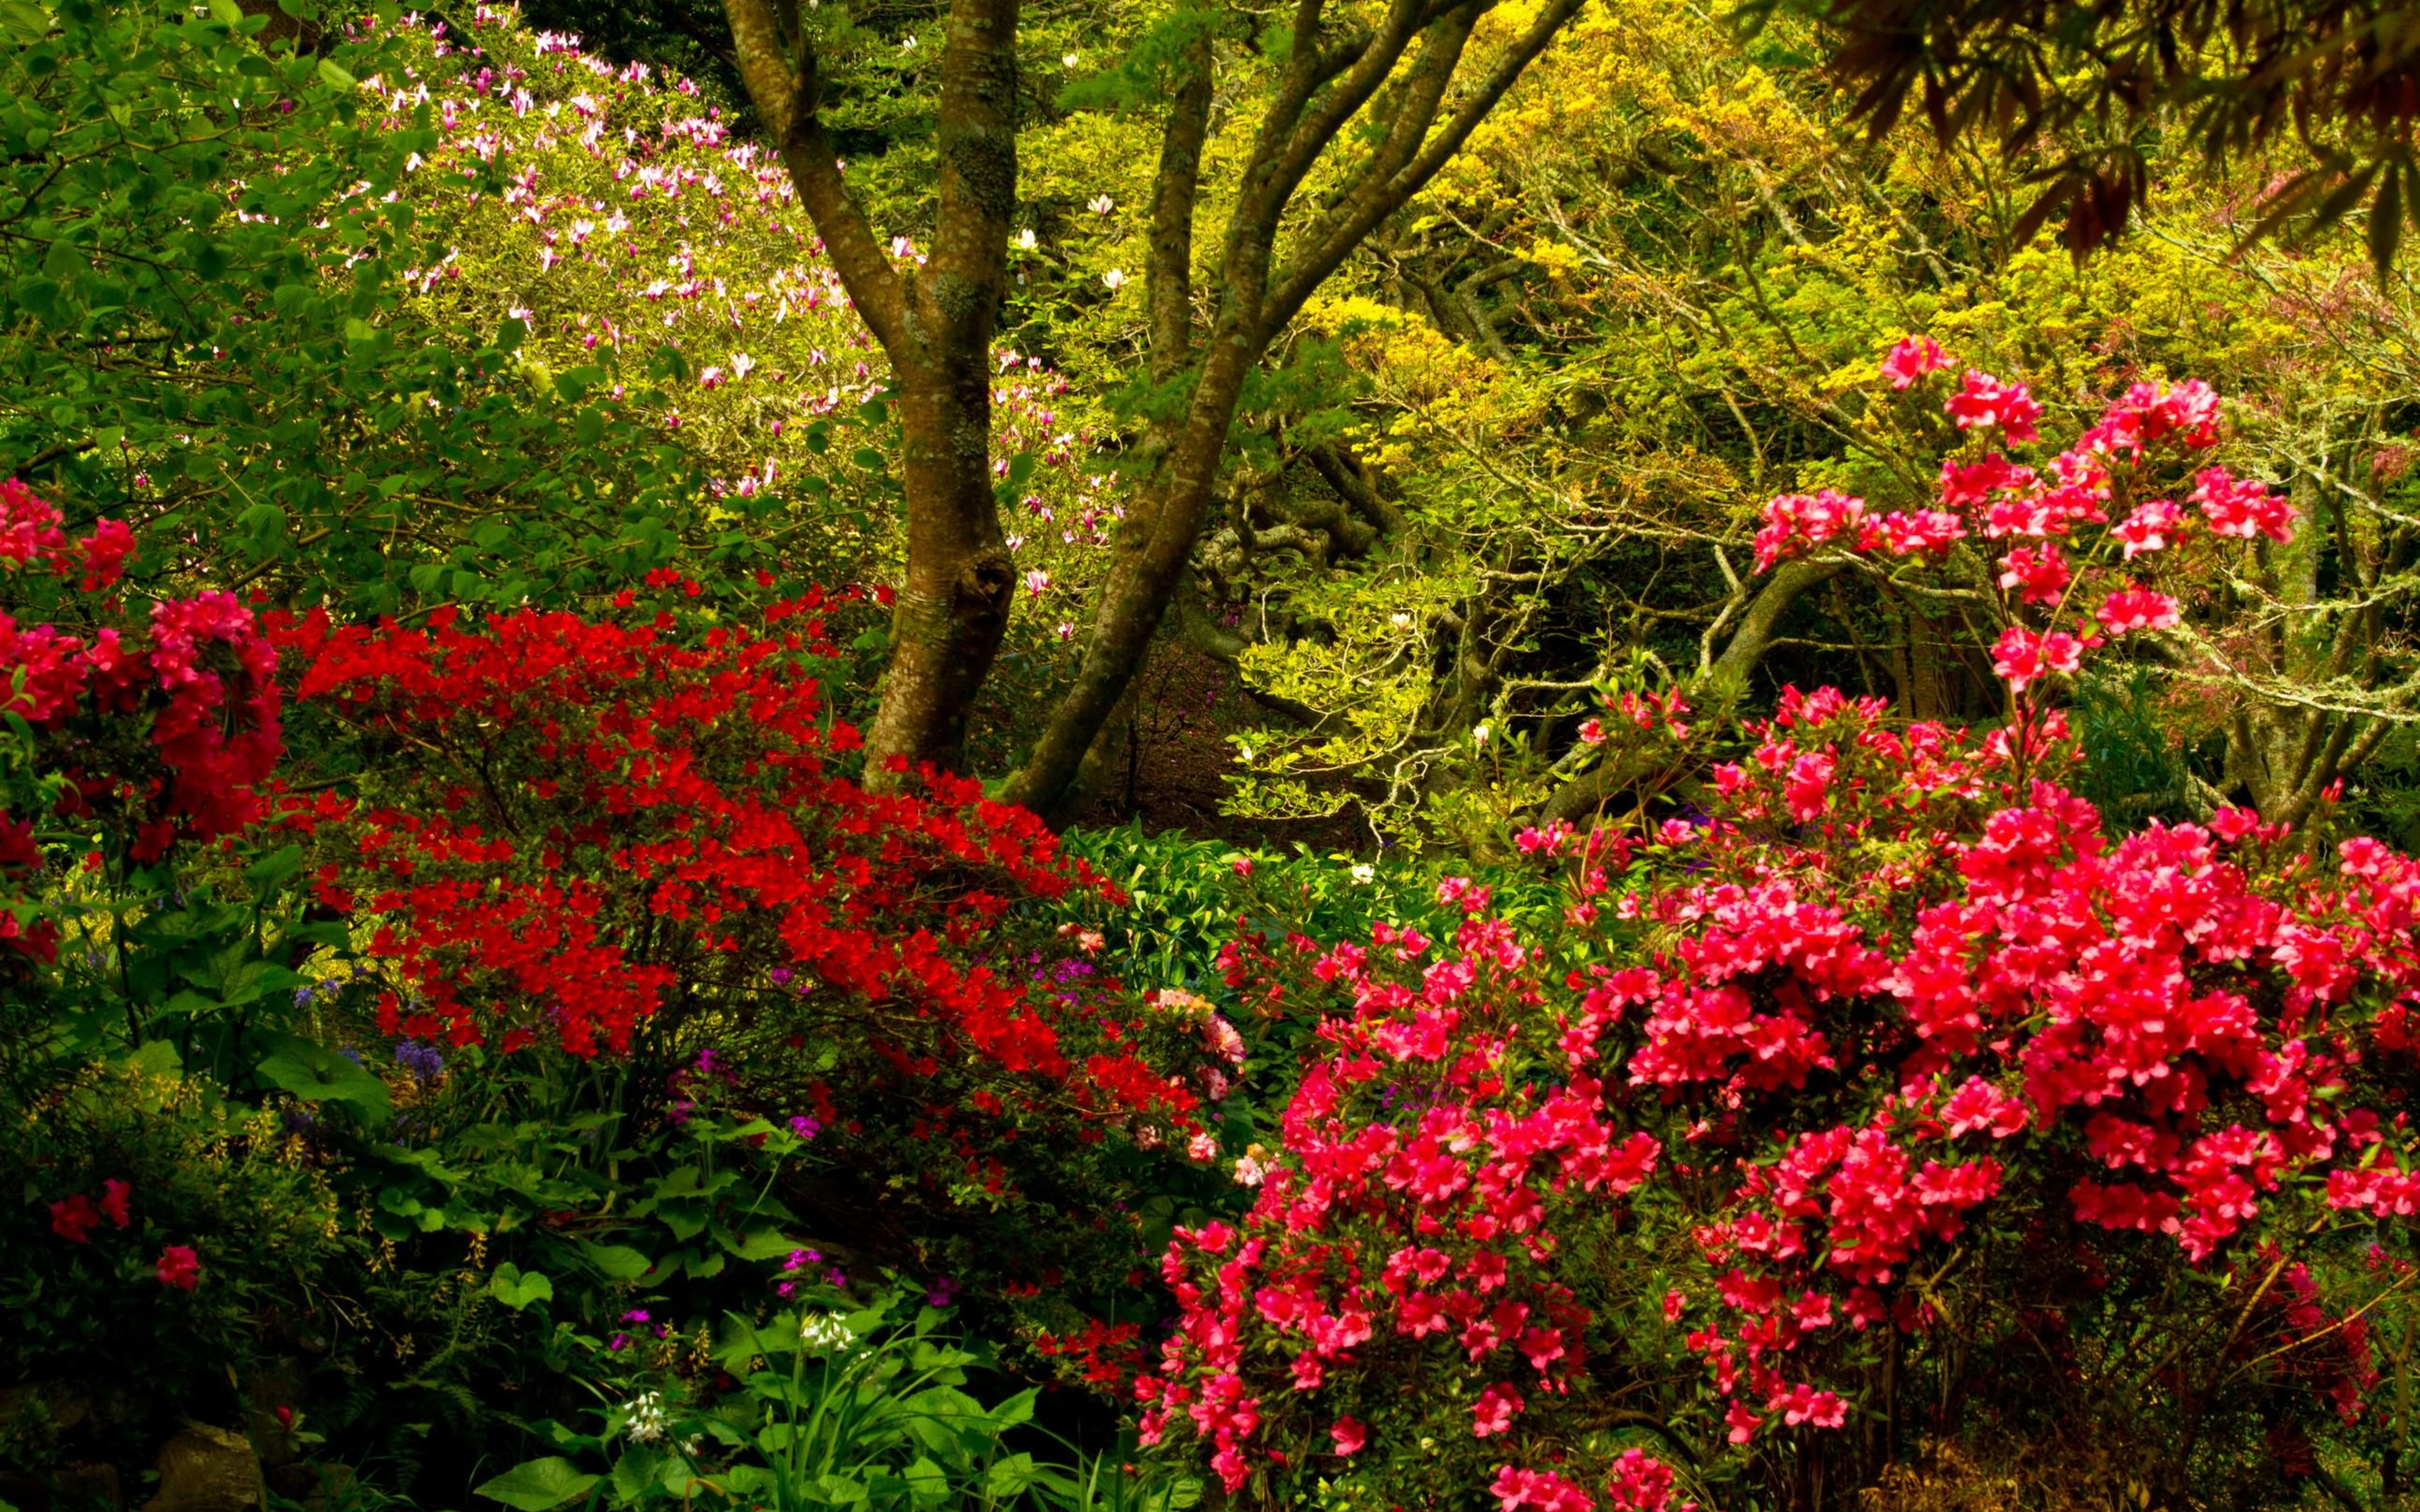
934, 325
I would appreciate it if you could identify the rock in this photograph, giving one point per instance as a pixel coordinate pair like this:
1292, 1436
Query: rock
64, 1486
204, 1469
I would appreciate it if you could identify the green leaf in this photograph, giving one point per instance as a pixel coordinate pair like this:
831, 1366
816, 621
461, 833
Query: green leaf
639, 1471
1018, 1409
537, 1485
765, 1244
275, 868
1010, 1475
156, 1058
335, 77
316, 1073
618, 1262
517, 1288
252, 980
24, 22
264, 524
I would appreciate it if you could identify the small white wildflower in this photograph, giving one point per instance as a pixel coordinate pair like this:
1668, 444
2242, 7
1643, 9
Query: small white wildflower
825, 1333
644, 1417
1365, 873
1478, 735
1115, 278
1069, 59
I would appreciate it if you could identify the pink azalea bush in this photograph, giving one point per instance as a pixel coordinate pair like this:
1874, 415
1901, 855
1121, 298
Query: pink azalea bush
1895, 1065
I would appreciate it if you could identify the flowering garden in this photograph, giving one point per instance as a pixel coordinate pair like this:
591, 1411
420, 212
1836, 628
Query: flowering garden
592, 916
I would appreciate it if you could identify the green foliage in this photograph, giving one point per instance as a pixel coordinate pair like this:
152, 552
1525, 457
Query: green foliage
94, 1316
826, 1402
207, 325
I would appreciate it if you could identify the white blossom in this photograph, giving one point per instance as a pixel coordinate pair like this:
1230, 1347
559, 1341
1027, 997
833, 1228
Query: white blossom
643, 1416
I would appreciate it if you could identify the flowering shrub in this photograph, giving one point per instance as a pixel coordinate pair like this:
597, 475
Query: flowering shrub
1896, 1063
507, 847
163, 1223
622, 838
674, 829
131, 734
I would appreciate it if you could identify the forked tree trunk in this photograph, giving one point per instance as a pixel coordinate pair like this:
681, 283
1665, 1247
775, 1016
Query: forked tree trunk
936, 324
1329, 79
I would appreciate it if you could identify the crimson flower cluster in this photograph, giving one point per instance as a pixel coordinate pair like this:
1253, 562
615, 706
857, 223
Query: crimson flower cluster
591, 819
1897, 1005
76, 1216
163, 729
2074, 524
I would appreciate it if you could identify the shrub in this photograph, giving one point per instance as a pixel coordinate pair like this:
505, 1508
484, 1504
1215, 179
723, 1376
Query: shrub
1896, 1065
155, 1264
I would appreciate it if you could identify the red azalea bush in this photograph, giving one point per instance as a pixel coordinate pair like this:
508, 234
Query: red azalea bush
1895, 1071
149, 729
629, 834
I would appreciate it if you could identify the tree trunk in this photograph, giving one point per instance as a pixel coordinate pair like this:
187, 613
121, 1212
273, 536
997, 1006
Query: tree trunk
951, 610
935, 324
1326, 84
1153, 550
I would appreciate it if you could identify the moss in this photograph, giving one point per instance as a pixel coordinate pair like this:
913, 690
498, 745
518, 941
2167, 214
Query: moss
985, 160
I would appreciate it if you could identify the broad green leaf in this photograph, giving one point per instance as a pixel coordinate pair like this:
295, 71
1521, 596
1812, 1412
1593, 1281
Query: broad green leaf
537, 1485
517, 1288
765, 1244
275, 868
315, 1074
157, 1057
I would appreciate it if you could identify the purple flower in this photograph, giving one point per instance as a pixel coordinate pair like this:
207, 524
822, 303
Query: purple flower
424, 1061
804, 1127
637, 1316
943, 1290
